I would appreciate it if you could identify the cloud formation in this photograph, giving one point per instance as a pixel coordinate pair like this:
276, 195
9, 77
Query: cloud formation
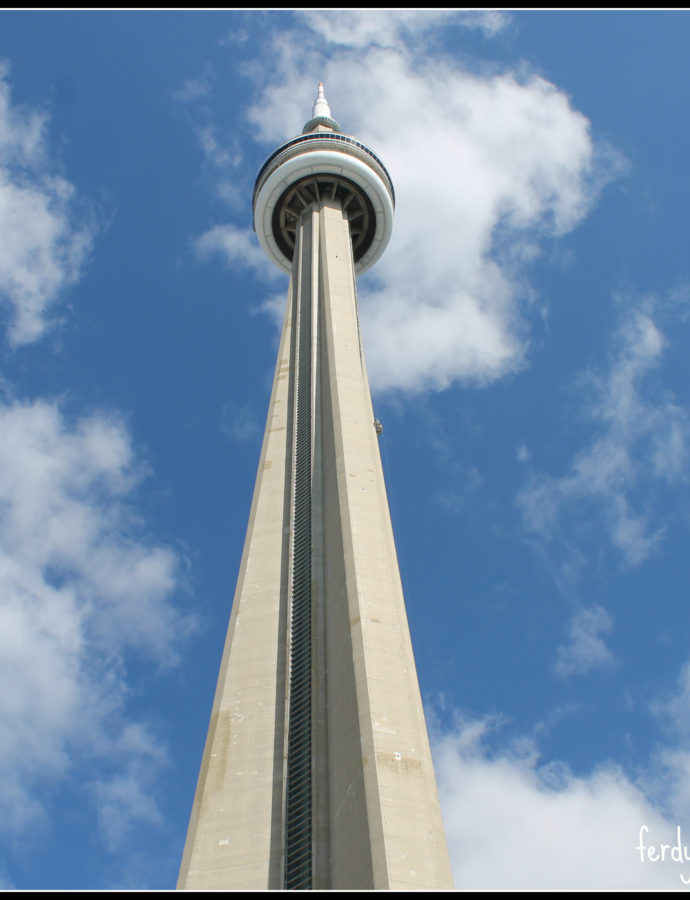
44, 242
586, 649
640, 441
234, 246
515, 824
83, 591
382, 28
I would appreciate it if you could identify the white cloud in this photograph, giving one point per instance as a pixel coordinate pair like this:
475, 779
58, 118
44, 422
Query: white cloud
586, 649
513, 824
239, 422
478, 164
235, 246
120, 802
490, 21
675, 709
216, 152
43, 244
124, 797
194, 89
82, 592
486, 169
388, 28
641, 439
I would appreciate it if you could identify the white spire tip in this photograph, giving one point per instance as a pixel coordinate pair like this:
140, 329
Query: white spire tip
321, 107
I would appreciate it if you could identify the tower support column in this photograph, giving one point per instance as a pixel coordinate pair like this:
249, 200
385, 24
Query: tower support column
317, 771
386, 826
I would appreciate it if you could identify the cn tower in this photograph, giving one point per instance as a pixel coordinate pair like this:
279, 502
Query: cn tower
317, 772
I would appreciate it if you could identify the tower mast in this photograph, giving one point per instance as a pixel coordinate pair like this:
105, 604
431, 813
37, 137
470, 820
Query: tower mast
317, 771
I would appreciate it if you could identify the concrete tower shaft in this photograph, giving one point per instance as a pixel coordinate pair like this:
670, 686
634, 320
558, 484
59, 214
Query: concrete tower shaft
317, 771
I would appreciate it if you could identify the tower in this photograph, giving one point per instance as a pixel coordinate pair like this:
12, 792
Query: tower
317, 771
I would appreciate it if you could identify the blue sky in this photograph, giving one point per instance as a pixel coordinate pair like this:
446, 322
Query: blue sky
526, 336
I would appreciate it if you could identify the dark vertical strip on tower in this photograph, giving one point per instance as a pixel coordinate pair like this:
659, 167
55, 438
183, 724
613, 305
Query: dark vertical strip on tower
298, 805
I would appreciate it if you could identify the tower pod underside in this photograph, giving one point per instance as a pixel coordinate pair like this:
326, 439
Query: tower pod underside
286, 186
312, 188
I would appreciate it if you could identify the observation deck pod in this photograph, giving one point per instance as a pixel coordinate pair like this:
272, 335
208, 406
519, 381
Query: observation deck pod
317, 166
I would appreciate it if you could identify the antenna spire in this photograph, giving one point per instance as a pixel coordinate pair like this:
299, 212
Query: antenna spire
321, 107
321, 118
